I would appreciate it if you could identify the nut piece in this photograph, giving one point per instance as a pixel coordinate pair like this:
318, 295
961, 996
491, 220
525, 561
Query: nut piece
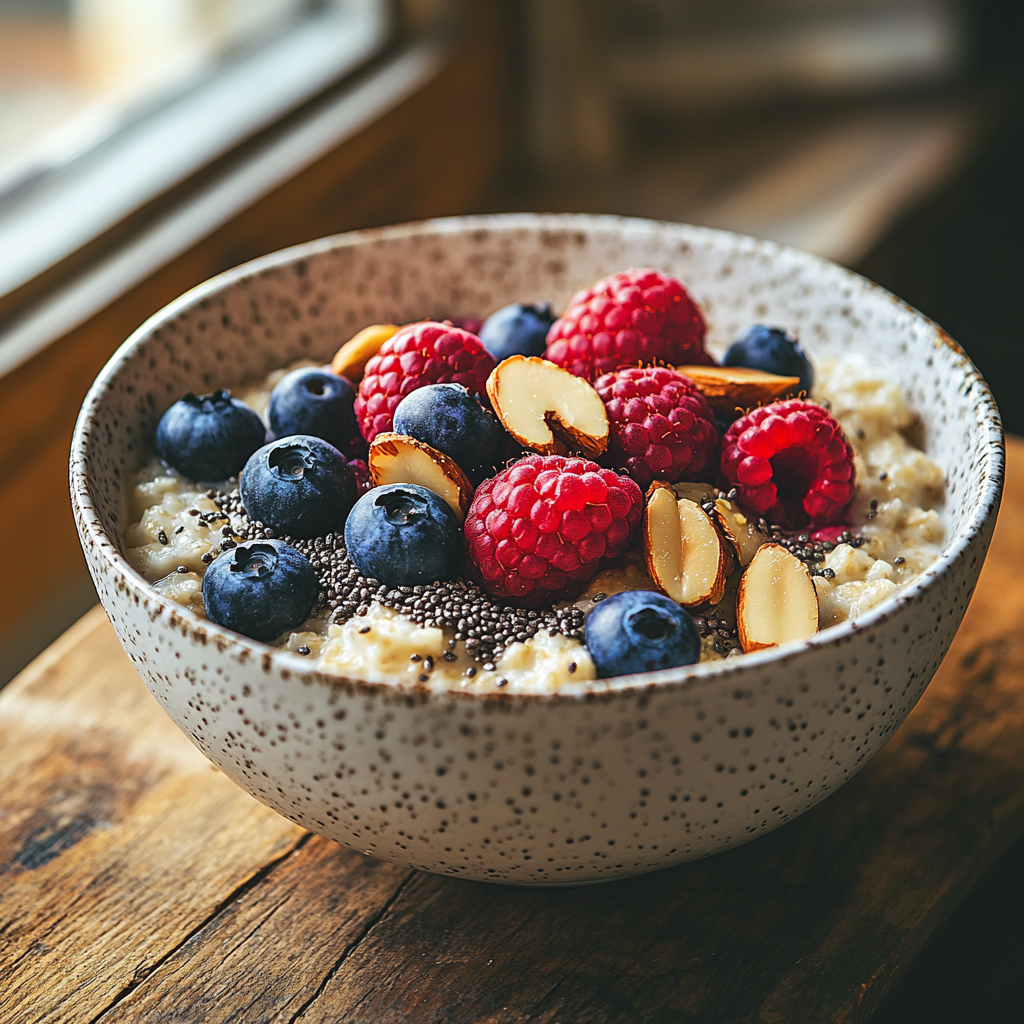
694, 490
350, 360
686, 557
777, 602
728, 388
398, 459
738, 529
546, 408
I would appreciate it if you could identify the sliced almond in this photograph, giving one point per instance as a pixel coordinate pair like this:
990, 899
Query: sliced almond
546, 408
399, 459
728, 388
738, 529
686, 557
777, 603
350, 360
694, 491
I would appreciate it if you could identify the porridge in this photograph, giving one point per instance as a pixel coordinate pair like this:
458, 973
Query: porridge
481, 622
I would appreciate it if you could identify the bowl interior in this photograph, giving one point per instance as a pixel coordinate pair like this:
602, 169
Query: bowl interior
307, 301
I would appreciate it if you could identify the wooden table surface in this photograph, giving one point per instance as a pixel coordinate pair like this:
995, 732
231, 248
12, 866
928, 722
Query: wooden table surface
137, 883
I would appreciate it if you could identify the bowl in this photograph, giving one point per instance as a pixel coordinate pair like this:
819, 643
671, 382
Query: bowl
620, 778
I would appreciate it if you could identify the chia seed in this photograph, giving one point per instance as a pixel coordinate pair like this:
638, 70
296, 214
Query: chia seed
486, 624
162, 537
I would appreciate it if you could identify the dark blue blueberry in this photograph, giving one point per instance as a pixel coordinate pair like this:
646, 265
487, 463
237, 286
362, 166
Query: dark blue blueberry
209, 437
771, 349
517, 330
320, 403
450, 419
404, 535
260, 589
640, 631
300, 486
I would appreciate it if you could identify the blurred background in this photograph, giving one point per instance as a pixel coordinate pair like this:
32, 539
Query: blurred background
146, 145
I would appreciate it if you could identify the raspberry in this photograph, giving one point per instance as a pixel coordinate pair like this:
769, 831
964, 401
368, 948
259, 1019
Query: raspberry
660, 425
420, 354
539, 530
790, 463
362, 475
633, 318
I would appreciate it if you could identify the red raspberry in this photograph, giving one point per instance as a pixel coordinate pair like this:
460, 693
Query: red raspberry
417, 355
790, 463
362, 475
633, 318
660, 425
539, 530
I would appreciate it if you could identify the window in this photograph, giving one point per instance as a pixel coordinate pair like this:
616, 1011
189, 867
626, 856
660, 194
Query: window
110, 104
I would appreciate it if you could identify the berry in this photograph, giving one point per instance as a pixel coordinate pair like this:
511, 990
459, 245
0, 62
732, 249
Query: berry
467, 323
209, 437
361, 471
660, 426
260, 588
539, 530
404, 535
299, 486
790, 463
320, 403
517, 330
417, 355
771, 349
450, 419
633, 318
640, 631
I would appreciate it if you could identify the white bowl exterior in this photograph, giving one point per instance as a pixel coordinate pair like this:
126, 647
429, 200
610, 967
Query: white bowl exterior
658, 769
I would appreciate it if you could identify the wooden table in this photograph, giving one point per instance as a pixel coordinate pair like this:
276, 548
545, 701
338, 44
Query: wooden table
137, 883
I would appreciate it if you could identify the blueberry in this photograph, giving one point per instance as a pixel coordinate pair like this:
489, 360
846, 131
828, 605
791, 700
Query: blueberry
404, 535
771, 349
209, 437
320, 403
640, 631
260, 588
300, 486
517, 330
450, 419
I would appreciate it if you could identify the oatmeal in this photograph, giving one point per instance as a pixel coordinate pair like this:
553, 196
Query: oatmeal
461, 635
383, 646
898, 487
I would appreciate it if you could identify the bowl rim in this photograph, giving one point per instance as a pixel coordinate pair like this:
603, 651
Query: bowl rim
683, 677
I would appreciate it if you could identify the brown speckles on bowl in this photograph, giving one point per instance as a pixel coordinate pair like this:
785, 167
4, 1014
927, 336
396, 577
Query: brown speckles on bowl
636, 775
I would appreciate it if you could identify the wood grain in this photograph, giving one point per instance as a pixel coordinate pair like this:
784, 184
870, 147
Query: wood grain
137, 884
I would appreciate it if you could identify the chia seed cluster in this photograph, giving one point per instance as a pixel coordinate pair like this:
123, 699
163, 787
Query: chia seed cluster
487, 626
724, 638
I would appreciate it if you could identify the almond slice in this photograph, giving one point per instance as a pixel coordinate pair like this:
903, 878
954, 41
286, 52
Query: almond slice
728, 388
694, 491
686, 557
546, 408
350, 360
777, 603
399, 459
739, 530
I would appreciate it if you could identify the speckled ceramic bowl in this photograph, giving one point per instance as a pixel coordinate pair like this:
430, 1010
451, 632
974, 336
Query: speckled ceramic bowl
659, 769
